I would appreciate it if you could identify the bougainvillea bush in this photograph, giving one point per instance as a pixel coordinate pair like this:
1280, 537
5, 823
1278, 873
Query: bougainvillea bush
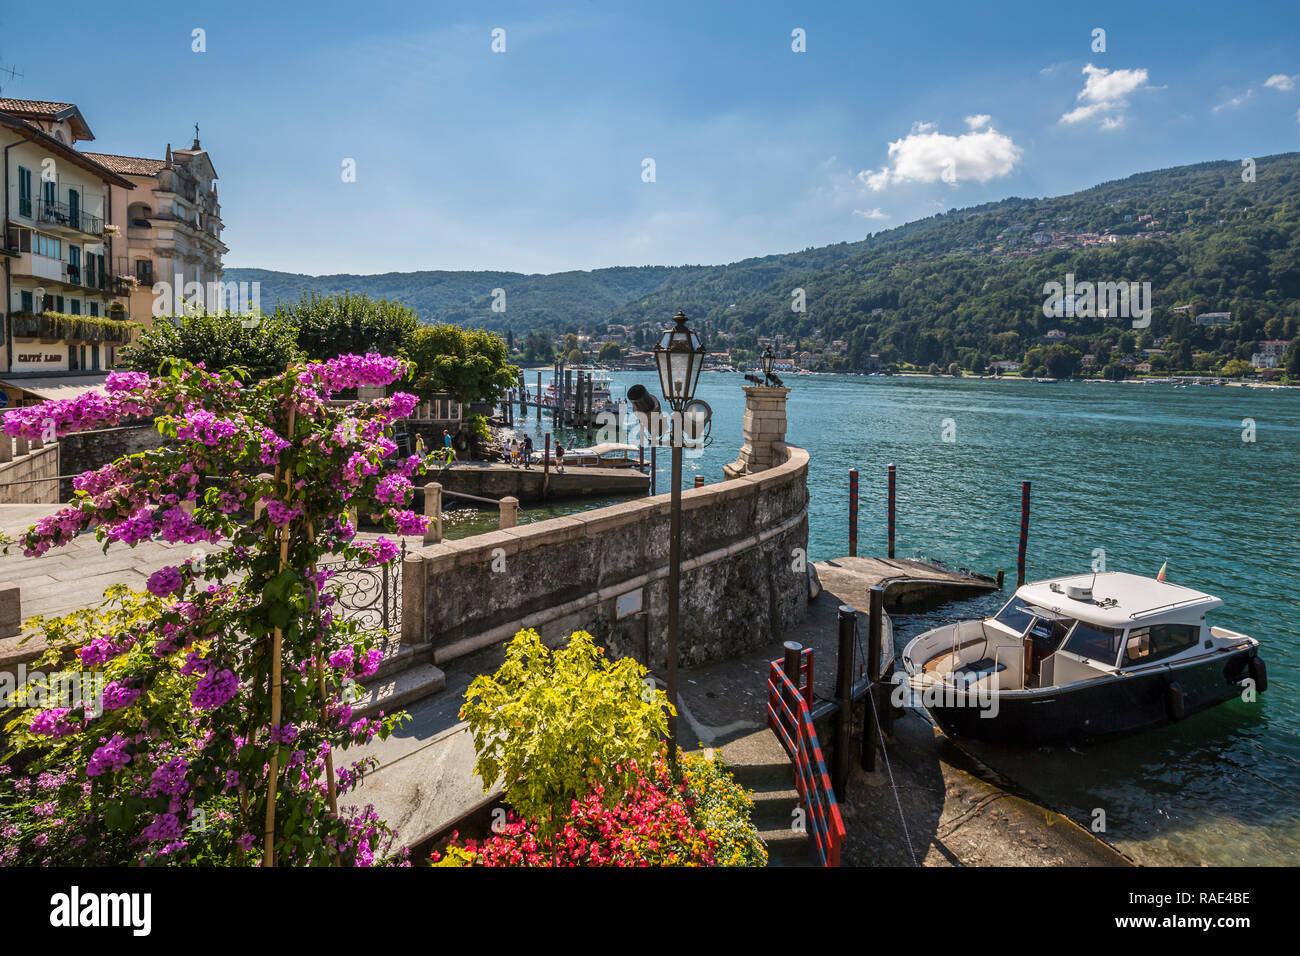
225, 708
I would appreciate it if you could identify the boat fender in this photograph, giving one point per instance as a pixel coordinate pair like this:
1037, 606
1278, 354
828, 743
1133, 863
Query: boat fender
1175, 701
1259, 674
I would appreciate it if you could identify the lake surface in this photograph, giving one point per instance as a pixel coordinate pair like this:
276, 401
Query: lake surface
1137, 474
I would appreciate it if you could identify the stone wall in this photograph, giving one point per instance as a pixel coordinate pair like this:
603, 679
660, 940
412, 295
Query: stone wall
24, 464
86, 451
605, 571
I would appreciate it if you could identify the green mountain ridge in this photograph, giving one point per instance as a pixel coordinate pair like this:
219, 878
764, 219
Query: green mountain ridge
962, 286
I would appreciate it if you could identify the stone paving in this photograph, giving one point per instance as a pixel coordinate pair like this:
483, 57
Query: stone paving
75, 576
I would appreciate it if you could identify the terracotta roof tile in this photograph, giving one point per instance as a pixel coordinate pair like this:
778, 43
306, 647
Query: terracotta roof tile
39, 107
128, 165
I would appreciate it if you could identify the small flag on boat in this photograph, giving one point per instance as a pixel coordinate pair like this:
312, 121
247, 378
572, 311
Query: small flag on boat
1160, 576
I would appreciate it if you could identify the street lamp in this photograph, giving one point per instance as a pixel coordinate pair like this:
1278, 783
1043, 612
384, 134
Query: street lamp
679, 356
768, 359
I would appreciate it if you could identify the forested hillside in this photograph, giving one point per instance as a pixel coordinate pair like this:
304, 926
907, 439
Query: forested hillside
964, 286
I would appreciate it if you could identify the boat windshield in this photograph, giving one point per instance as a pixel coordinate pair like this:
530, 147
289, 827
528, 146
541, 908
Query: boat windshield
1096, 643
1016, 615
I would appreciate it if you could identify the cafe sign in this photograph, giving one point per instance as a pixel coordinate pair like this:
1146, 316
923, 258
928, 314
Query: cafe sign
33, 360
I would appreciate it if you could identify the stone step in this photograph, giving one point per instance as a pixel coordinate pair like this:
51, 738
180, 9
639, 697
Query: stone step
786, 847
774, 808
394, 692
398, 657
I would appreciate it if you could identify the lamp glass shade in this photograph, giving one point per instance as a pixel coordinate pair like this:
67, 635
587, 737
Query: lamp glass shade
768, 359
680, 358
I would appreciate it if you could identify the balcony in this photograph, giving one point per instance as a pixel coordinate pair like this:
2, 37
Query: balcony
57, 326
61, 214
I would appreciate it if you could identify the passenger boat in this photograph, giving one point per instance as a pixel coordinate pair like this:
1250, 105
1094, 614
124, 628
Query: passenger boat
1083, 657
605, 455
601, 388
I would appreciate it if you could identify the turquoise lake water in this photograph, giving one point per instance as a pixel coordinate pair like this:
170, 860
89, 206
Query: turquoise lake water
1148, 474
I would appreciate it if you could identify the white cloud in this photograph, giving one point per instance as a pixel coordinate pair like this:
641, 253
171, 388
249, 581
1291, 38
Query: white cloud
1233, 103
978, 119
870, 214
1280, 81
925, 156
1104, 95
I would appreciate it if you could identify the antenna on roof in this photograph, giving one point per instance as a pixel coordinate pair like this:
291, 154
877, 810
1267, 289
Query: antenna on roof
10, 72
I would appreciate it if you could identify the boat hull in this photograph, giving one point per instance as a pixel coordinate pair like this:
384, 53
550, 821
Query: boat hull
1099, 709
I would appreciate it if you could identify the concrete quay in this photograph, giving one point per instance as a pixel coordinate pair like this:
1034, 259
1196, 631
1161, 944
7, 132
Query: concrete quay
496, 480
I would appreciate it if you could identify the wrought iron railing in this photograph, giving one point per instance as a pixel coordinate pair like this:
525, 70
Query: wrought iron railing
371, 595
61, 214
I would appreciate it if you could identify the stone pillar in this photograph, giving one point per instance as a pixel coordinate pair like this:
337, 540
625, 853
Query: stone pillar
433, 509
413, 599
764, 424
509, 512
21, 446
11, 613
6, 448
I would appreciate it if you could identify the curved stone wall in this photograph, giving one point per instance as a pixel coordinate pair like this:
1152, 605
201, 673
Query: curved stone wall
744, 545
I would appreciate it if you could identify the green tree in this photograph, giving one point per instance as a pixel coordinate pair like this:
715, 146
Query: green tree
610, 352
349, 324
263, 344
471, 365
575, 357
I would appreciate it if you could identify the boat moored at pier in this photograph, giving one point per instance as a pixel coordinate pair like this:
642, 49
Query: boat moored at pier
1082, 657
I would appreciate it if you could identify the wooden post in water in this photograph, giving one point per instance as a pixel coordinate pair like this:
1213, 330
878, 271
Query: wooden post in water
875, 637
654, 469
848, 618
853, 512
1024, 533
578, 412
1001, 576
591, 400
892, 501
546, 467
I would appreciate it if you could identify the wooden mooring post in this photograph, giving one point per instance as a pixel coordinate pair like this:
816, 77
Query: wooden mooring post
1024, 533
892, 504
853, 512
699, 481
848, 618
546, 467
875, 636
654, 470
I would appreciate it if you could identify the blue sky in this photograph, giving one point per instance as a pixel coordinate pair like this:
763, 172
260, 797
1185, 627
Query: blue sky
532, 159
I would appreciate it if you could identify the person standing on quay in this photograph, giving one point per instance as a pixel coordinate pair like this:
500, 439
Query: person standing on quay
448, 450
559, 457
528, 451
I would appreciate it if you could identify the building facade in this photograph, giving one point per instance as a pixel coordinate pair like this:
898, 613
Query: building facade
170, 246
63, 311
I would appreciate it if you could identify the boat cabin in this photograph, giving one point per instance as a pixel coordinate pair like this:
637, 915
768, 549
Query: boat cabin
1061, 631
605, 455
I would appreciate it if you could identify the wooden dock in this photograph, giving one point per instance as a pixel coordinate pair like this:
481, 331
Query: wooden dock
907, 584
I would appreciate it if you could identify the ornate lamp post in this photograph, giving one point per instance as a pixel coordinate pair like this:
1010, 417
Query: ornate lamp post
768, 359
679, 356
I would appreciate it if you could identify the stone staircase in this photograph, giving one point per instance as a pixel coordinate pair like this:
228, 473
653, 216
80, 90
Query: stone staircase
761, 765
406, 674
